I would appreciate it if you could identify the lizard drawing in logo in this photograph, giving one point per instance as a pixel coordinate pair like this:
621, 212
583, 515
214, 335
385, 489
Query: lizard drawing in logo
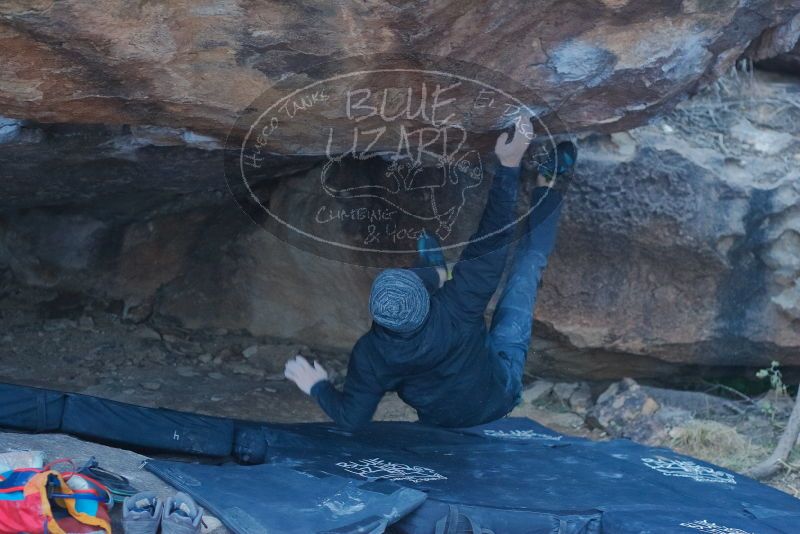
433, 194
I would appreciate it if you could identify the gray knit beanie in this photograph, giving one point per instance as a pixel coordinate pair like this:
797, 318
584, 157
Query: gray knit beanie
399, 300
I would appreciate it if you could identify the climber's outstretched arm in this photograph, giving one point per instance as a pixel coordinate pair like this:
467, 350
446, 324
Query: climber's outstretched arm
353, 407
478, 272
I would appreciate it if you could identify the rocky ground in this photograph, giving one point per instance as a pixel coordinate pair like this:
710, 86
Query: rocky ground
65, 342
733, 431
62, 341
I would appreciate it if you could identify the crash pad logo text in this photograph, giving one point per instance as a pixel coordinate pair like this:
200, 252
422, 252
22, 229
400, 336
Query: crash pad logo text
688, 469
522, 435
713, 528
378, 469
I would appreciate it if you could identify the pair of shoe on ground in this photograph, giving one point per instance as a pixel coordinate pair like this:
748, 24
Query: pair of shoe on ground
144, 512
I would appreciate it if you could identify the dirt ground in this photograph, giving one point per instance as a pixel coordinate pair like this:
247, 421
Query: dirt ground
64, 342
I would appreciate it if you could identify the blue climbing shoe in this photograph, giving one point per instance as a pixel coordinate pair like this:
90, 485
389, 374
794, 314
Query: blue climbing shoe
431, 263
430, 252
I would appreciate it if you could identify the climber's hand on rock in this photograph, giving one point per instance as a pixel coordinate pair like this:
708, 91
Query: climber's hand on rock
305, 375
510, 152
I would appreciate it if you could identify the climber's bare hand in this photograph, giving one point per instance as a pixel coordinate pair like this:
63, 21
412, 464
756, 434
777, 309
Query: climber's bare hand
510, 152
302, 373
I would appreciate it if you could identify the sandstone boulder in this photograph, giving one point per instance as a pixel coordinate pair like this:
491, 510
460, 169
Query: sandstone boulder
680, 240
787, 62
624, 410
184, 64
778, 48
679, 244
539, 390
708, 272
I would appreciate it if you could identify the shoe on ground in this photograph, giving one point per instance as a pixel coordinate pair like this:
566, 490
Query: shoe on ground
141, 513
181, 515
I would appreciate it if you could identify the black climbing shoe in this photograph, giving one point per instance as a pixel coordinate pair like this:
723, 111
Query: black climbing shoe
559, 161
555, 165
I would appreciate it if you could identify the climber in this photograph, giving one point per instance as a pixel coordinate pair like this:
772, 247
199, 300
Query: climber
433, 348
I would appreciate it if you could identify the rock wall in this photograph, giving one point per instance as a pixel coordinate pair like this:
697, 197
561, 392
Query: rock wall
708, 272
196, 64
778, 49
680, 241
788, 62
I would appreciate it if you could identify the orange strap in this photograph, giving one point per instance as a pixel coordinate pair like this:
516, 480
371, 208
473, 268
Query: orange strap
38, 484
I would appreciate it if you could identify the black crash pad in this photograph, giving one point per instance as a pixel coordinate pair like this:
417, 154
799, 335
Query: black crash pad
153, 429
264, 499
147, 428
515, 475
27, 408
512, 475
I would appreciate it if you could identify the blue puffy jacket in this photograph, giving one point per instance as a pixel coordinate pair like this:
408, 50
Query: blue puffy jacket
444, 369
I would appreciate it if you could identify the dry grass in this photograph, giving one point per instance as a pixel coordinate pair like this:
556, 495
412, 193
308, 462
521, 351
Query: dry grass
717, 443
738, 95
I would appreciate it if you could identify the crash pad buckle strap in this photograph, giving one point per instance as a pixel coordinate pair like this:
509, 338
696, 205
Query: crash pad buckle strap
41, 411
449, 523
450, 519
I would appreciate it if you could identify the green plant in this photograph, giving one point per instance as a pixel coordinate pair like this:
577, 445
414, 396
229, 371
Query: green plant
773, 373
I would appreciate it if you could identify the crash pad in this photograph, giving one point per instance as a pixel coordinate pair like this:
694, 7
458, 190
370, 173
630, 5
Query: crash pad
147, 428
515, 475
276, 499
28, 408
512, 475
